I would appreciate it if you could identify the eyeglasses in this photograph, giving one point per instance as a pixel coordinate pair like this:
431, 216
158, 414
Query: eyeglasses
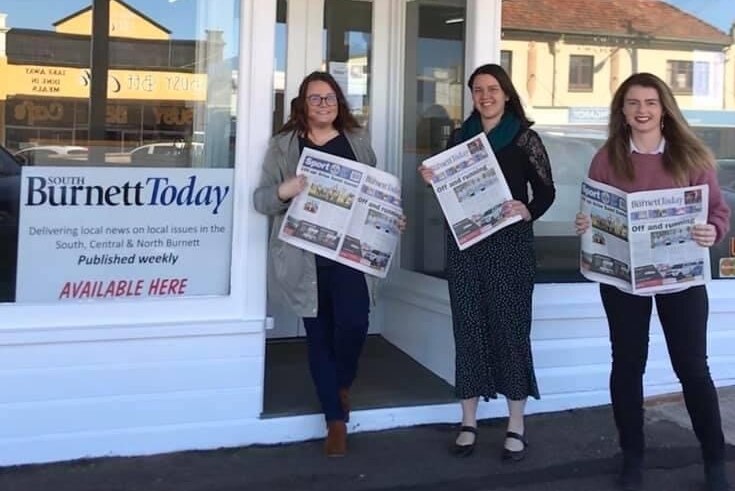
316, 100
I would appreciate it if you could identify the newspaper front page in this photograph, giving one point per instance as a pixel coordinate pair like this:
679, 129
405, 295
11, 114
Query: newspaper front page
349, 212
642, 242
471, 190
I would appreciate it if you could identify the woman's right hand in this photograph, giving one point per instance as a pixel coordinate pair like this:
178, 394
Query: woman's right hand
427, 173
582, 223
291, 187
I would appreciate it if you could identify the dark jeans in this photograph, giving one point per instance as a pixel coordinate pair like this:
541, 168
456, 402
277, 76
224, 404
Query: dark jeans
336, 336
683, 317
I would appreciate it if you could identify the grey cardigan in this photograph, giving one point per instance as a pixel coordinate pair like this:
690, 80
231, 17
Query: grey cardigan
292, 271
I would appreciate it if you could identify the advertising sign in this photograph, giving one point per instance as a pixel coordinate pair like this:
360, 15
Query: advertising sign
121, 84
105, 233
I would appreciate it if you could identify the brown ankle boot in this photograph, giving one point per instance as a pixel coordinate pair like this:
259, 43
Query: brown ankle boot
344, 399
335, 445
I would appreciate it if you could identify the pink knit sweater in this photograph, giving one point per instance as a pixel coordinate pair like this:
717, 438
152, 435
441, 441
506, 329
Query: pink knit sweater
650, 174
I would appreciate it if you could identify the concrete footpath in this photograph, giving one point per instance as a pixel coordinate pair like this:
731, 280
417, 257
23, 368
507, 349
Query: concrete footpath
569, 451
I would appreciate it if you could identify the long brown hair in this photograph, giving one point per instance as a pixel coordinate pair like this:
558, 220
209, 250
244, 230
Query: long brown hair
684, 153
514, 100
298, 119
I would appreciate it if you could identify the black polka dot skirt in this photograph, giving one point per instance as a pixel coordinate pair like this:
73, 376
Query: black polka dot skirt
490, 290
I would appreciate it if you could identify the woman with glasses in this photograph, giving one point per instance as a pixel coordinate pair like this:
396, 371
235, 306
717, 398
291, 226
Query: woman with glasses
650, 146
491, 283
333, 299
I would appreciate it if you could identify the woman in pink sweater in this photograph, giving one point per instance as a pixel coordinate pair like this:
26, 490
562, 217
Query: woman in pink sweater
650, 146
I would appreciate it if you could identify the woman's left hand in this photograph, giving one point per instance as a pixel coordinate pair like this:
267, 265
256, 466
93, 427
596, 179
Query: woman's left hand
515, 207
704, 234
402, 223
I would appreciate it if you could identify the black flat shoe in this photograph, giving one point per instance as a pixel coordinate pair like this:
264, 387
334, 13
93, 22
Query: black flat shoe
464, 450
514, 455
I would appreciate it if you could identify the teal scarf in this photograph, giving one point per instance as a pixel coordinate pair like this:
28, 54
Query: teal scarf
500, 137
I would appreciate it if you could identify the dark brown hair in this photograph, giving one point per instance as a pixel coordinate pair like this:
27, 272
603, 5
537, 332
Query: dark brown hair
298, 119
684, 153
514, 100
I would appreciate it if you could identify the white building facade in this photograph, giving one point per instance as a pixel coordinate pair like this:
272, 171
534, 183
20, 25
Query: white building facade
132, 376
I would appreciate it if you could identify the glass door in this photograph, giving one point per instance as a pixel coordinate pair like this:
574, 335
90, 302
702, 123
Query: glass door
432, 108
328, 35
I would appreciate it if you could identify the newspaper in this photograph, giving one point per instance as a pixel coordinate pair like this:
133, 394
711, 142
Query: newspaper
349, 212
642, 242
471, 190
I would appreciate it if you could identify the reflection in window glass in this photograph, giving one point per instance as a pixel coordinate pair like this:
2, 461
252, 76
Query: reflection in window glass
433, 94
347, 51
101, 84
567, 76
170, 83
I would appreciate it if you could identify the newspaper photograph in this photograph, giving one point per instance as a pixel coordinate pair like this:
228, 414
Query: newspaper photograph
471, 190
349, 212
642, 242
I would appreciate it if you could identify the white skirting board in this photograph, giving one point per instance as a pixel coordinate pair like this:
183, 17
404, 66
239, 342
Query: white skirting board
234, 433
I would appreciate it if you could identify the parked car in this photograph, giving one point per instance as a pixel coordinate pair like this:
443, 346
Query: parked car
50, 154
726, 172
570, 152
174, 153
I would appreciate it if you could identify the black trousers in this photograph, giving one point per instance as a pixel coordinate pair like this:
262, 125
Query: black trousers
336, 336
683, 317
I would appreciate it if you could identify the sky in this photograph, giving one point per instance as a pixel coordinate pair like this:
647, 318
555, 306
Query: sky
180, 16
719, 13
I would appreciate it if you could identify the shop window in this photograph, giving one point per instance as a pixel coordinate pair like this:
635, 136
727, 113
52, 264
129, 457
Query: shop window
581, 72
506, 61
120, 115
572, 119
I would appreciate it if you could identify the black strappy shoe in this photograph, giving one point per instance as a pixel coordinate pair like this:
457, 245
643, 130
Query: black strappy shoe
464, 450
514, 455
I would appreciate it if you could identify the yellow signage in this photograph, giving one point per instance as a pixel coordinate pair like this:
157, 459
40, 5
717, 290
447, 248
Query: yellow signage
47, 81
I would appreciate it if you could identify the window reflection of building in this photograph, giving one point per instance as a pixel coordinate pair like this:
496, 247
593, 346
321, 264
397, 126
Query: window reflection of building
559, 52
157, 86
567, 66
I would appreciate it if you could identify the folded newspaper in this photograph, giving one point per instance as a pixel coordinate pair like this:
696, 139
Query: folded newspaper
349, 212
471, 190
642, 242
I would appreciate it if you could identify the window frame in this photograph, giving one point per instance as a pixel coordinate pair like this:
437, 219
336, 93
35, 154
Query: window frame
508, 67
671, 75
243, 309
574, 72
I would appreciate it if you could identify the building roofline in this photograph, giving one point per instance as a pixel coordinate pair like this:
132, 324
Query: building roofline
46, 33
124, 4
617, 35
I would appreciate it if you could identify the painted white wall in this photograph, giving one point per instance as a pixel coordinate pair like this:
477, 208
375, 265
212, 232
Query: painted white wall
569, 336
569, 339
151, 377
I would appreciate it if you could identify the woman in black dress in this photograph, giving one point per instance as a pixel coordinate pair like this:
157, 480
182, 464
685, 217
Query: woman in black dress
491, 282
